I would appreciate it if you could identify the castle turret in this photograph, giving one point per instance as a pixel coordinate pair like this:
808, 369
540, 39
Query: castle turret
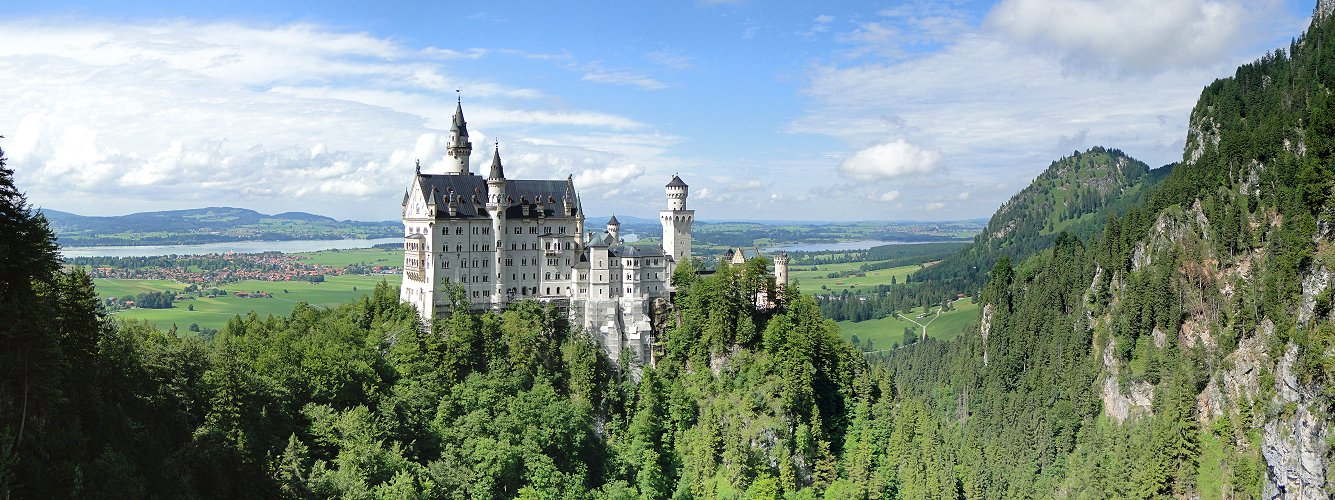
459, 147
614, 228
496, 206
781, 274
676, 222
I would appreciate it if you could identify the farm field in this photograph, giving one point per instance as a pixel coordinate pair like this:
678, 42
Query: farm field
356, 256
810, 281
214, 312
886, 332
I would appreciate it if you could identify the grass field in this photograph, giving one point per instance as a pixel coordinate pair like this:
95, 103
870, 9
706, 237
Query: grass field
214, 313
885, 332
810, 281
360, 256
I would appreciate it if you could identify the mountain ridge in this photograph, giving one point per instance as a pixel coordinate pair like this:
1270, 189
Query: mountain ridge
207, 225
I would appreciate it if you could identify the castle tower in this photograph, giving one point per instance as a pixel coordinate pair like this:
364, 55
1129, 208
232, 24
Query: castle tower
614, 228
496, 207
459, 147
677, 221
781, 274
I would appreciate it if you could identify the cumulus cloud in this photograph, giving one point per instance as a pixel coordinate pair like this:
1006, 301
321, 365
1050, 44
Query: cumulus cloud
1135, 36
612, 175
890, 160
107, 118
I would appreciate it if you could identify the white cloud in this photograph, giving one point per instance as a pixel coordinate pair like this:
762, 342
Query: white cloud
104, 118
614, 77
885, 197
670, 59
936, 205
1136, 36
890, 160
963, 196
820, 24
613, 175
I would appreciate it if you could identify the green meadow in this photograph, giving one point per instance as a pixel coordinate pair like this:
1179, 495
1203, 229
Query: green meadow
356, 256
886, 332
214, 312
810, 279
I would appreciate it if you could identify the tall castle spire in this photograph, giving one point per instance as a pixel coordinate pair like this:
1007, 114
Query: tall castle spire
459, 147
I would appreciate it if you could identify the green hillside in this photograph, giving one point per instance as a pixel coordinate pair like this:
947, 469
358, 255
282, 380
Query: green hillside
1075, 194
208, 225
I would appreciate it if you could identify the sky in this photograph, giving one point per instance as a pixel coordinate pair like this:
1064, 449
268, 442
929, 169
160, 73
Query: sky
932, 110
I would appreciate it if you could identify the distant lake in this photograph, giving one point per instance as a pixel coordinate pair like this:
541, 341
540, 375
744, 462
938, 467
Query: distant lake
290, 246
841, 245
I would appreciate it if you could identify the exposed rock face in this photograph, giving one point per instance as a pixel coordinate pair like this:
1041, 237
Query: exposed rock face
984, 328
1117, 405
1314, 283
1241, 380
1324, 8
1295, 442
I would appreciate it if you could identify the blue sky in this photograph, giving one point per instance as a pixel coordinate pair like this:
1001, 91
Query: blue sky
770, 110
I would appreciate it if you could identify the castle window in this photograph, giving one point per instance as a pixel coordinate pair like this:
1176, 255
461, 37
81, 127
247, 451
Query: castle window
474, 230
627, 289
459, 230
549, 290
583, 276
547, 230
513, 246
567, 261
486, 230
458, 248
486, 248
485, 278
533, 230
519, 230
512, 277
444, 231
444, 264
509, 262
547, 245
548, 276
561, 230
463, 264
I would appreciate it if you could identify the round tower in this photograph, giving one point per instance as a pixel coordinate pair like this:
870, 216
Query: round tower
781, 272
614, 228
676, 221
496, 206
676, 194
459, 148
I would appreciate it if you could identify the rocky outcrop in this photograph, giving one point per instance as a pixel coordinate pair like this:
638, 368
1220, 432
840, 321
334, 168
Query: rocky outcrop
1295, 442
1117, 405
1324, 8
984, 328
1314, 283
1239, 378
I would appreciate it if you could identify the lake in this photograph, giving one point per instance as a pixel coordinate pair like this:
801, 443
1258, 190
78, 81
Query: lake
839, 245
290, 246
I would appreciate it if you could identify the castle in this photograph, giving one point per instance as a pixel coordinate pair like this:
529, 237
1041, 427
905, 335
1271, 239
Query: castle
499, 240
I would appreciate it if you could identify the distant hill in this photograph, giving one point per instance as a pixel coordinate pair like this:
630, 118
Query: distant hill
208, 225
1076, 194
